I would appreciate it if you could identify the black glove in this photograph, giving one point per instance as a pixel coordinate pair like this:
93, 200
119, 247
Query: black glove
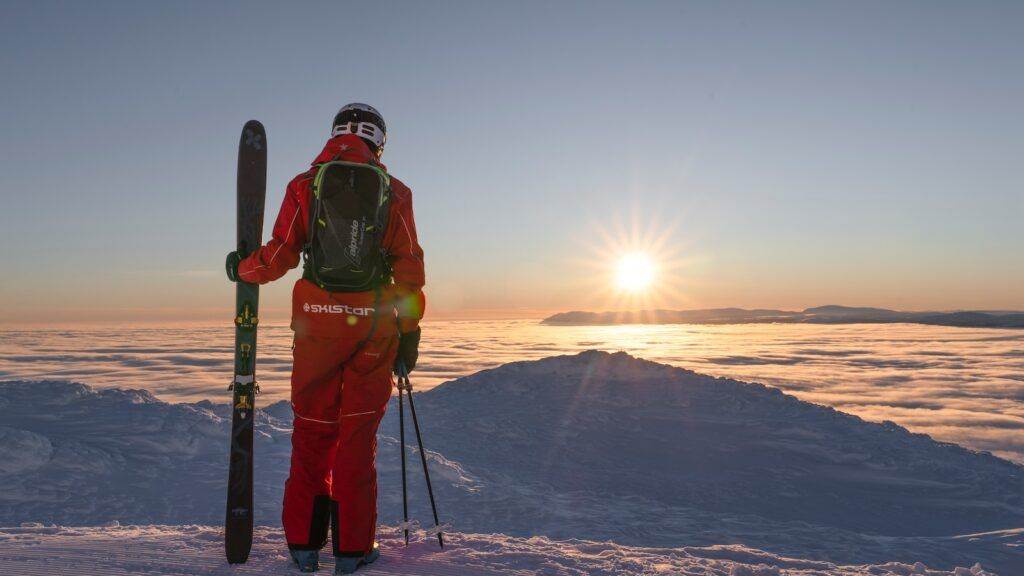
408, 350
231, 265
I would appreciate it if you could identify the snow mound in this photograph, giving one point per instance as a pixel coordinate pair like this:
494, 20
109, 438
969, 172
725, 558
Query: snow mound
188, 550
22, 451
596, 446
74, 455
610, 424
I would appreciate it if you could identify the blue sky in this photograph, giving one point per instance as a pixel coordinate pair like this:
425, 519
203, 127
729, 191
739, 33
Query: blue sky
792, 154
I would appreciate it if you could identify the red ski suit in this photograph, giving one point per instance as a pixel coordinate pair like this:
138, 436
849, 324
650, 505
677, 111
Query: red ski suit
345, 346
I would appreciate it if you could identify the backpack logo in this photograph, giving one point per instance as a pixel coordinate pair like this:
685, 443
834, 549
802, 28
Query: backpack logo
353, 240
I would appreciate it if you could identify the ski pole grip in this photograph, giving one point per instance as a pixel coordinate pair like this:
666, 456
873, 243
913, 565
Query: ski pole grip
403, 376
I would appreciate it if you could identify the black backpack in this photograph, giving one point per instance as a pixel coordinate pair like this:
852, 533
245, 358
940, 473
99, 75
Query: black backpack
348, 214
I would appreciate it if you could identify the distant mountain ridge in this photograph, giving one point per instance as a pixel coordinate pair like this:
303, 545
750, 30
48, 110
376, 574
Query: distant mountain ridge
829, 314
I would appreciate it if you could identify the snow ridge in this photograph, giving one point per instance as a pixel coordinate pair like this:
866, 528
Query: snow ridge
595, 446
620, 426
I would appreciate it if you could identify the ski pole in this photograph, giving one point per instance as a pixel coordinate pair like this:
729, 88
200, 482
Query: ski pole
401, 434
423, 453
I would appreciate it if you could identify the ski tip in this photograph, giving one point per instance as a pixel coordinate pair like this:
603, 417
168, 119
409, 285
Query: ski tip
254, 136
253, 124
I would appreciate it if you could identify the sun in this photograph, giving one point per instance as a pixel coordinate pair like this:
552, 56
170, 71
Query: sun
635, 261
634, 272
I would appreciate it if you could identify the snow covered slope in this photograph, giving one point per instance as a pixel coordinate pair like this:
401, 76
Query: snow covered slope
191, 550
621, 427
593, 446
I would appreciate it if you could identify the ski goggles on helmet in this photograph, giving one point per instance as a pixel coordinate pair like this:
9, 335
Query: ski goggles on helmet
362, 129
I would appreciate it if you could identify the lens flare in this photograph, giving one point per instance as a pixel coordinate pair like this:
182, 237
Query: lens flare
635, 261
634, 272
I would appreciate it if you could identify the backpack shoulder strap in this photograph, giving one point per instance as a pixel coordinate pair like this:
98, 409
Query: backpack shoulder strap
314, 208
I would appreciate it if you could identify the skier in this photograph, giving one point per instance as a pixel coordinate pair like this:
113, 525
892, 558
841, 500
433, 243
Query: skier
347, 344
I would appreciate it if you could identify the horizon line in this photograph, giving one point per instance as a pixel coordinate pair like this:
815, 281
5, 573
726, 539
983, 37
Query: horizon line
277, 314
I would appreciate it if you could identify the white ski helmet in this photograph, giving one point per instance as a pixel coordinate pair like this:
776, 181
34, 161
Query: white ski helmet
364, 121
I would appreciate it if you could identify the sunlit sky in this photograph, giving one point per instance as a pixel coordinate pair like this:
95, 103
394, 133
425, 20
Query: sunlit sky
762, 154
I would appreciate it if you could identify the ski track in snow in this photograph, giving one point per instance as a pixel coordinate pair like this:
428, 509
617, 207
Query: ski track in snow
595, 446
198, 551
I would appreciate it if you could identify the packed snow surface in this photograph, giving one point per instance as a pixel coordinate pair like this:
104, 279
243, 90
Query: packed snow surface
595, 446
198, 550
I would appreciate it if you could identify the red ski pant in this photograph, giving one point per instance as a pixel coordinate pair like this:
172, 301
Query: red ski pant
339, 393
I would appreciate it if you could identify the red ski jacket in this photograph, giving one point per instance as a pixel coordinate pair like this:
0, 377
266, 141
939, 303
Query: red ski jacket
316, 312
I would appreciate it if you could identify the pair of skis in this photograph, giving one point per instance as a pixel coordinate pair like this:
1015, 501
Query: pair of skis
252, 188
251, 193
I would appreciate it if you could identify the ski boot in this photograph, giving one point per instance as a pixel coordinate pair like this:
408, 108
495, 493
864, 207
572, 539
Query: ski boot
349, 564
306, 560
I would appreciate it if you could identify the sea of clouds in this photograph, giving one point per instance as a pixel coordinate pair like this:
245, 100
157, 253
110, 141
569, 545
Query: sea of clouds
957, 384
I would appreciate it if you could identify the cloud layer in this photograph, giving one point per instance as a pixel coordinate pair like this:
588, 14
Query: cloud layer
957, 384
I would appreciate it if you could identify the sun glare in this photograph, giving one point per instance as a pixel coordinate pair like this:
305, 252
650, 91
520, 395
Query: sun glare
634, 272
637, 262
